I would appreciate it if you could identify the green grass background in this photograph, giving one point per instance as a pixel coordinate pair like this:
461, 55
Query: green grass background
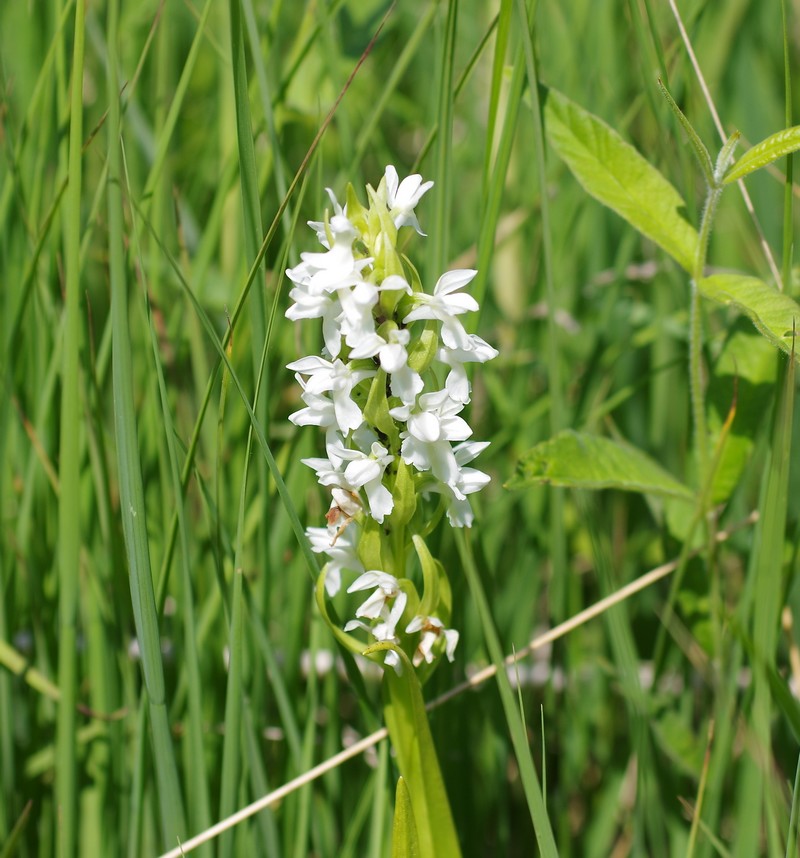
134, 491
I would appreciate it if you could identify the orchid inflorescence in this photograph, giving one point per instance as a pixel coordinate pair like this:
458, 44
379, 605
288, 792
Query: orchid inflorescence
394, 437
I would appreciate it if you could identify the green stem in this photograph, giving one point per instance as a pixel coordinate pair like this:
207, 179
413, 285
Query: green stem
696, 335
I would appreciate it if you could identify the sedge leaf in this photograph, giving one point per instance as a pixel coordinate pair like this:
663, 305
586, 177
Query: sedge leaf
775, 314
583, 461
617, 175
763, 153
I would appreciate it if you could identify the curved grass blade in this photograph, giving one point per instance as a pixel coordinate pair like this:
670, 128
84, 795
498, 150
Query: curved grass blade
775, 146
775, 314
579, 460
617, 175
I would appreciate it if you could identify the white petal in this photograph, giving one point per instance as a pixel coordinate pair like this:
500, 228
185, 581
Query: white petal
393, 356
452, 280
424, 427
362, 471
381, 502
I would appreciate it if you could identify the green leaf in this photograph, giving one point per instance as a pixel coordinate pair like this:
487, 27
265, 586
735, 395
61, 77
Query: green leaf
374, 549
613, 172
430, 576
582, 461
423, 350
404, 493
763, 153
405, 842
775, 314
410, 733
376, 411
744, 378
700, 151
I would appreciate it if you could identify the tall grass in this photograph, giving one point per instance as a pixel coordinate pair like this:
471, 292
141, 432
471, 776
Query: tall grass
162, 664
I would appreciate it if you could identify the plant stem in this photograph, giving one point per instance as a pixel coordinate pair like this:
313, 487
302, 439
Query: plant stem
696, 335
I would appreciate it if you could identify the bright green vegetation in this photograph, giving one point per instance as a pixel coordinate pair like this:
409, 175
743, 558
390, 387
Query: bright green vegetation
158, 628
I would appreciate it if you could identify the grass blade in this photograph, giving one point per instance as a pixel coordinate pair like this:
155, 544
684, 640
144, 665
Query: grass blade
69, 522
132, 505
530, 780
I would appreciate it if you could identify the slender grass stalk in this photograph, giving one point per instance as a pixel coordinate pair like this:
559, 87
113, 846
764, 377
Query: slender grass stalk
530, 780
197, 785
440, 227
791, 839
132, 505
558, 546
767, 573
788, 209
69, 519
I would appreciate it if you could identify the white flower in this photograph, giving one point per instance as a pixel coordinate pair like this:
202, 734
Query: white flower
402, 198
387, 591
335, 268
340, 547
426, 441
319, 226
386, 587
366, 470
457, 383
432, 629
445, 304
318, 411
338, 378
322, 306
393, 357
358, 322
469, 480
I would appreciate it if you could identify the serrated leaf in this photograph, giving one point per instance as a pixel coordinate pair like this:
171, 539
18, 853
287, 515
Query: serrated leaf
775, 314
617, 175
582, 461
763, 153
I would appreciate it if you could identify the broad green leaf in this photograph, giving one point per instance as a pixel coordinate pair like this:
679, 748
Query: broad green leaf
582, 461
763, 153
405, 843
616, 174
775, 314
